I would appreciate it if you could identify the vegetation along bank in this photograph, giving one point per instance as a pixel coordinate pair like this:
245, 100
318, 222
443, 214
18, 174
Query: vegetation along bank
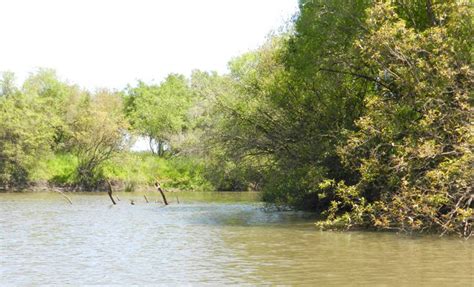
360, 111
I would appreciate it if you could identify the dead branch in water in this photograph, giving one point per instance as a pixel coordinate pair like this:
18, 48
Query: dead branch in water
65, 196
110, 192
146, 198
158, 186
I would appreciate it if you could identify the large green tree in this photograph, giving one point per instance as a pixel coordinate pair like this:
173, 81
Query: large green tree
159, 111
413, 146
295, 98
98, 130
25, 133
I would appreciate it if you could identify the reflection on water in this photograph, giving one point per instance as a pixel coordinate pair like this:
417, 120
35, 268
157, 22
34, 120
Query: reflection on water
207, 239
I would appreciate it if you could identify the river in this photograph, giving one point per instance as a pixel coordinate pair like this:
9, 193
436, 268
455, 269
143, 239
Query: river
207, 239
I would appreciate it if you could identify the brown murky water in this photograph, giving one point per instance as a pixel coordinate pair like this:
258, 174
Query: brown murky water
207, 239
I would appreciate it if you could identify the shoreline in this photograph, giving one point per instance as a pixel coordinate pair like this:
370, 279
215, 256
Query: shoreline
44, 186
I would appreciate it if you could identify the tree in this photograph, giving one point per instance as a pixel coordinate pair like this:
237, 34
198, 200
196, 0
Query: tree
24, 133
98, 131
413, 147
7, 84
286, 115
54, 96
159, 112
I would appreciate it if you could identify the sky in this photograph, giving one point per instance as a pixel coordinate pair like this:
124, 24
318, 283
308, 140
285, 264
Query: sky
112, 43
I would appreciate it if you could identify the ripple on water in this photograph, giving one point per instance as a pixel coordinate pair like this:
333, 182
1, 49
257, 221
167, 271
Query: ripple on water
44, 240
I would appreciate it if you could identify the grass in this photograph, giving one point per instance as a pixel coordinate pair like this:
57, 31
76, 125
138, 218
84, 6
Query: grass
133, 169
57, 168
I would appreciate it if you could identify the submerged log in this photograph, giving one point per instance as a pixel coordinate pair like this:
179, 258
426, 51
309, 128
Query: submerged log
110, 192
158, 186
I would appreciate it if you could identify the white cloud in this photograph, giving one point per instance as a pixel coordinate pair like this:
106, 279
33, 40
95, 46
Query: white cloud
109, 43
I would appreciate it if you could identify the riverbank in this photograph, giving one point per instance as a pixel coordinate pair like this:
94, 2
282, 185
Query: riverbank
128, 171
117, 186
45, 186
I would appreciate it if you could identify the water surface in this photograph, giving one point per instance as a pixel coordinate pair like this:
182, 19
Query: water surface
207, 239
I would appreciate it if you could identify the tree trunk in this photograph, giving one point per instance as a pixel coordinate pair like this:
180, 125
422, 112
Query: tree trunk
150, 143
430, 13
160, 148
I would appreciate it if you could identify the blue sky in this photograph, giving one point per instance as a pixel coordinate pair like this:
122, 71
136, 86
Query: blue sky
109, 43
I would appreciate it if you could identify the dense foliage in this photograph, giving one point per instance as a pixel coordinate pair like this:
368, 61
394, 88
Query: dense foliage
24, 132
48, 116
413, 145
361, 111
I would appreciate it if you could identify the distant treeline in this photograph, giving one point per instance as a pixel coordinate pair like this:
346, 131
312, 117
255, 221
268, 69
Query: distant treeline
361, 111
